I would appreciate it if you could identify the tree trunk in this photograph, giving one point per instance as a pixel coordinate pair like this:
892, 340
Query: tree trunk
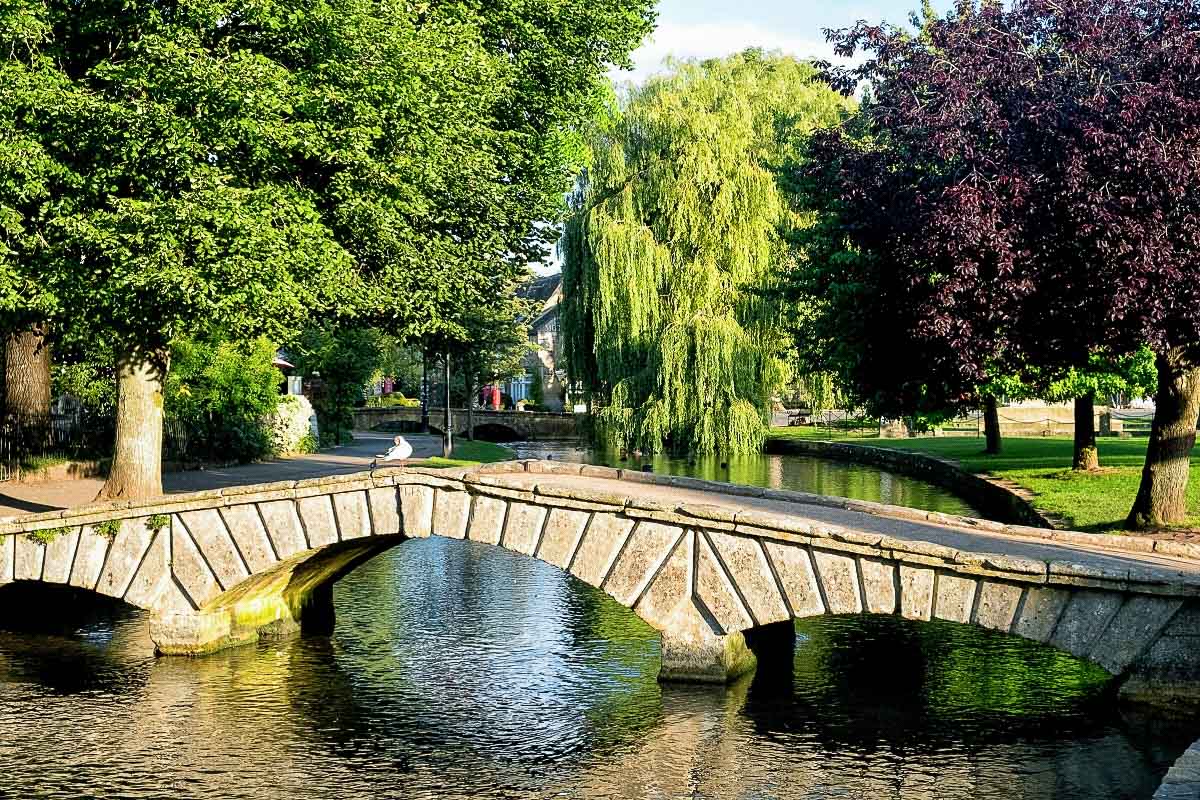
137, 459
1087, 457
27, 375
1162, 496
991, 425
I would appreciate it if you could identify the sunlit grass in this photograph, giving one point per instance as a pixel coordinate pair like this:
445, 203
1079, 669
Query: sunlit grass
1098, 501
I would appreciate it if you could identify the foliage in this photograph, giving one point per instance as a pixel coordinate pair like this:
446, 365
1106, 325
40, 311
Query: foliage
288, 426
343, 360
678, 227
157, 522
109, 528
225, 392
47, 535
220, 165
89, 377
537, 389
1017, 228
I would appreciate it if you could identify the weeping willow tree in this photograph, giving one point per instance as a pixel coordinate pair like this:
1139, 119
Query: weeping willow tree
678, 229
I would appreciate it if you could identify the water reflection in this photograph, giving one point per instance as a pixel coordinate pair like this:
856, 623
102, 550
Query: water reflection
458, 670
800, 473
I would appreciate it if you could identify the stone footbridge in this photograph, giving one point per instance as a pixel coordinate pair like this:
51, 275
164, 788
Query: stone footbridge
716, 568
507, 425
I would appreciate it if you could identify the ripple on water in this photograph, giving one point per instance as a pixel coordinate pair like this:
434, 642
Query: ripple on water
458, 671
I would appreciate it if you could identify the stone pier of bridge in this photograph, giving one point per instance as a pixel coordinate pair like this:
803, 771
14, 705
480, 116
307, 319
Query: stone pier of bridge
721, 571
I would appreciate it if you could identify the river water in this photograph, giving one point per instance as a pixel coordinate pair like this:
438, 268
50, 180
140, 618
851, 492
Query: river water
461, 671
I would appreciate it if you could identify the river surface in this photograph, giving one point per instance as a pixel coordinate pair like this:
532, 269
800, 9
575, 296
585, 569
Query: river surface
462, 671
801, 473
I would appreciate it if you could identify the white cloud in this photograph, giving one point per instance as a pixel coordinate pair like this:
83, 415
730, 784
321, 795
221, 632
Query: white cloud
713, 39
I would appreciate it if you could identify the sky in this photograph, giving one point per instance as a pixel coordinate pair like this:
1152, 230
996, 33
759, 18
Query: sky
707, 28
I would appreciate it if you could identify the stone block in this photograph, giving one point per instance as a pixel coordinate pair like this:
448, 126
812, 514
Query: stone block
89, 558
1133, 629
316, 513
31, 556
794, 567
60, 556
598, 550
7, 559
451, 513
693, 652
214, 542
523, 528
385, 511
153, 574
916, 592
717, 593
250, 536
600, 473
750, 571
284, 528
998, 603
955, 598
1040, 612
879, 586
353, 515
561, 537
839, 579
487, 520
124, 557
191, 569
416, 510
671, 587
647, 549
1084, 619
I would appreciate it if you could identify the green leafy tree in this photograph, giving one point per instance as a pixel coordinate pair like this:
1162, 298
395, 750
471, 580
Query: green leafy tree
231, 166
679, 227
224, 392
343, 360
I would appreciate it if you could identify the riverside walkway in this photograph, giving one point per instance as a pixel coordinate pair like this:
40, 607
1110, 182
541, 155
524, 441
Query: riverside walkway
720, 570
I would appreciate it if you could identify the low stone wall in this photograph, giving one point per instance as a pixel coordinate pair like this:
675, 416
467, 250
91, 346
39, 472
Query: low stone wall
992, 497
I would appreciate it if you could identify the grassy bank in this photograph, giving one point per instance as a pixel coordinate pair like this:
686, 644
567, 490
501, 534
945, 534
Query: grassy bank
1096, 501
467, 454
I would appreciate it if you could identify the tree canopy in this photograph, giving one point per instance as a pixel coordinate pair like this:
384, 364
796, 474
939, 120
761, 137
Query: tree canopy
1019, 190
678, 228
173, 169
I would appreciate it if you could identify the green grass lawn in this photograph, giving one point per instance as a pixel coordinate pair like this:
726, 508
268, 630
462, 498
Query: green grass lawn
468, 454
1087, 501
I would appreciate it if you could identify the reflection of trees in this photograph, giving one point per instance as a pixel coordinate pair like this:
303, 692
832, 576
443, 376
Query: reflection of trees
67, 640
459, 670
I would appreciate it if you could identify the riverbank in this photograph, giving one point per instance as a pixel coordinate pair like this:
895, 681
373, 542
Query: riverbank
17, 499
1094, 501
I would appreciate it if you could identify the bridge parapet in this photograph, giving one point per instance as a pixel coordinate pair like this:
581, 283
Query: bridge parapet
518, 424
704, 563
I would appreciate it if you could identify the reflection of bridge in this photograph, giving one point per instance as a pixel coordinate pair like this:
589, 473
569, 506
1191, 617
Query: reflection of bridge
703, 563
500, 425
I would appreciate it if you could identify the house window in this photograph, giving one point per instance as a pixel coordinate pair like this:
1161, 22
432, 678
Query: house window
518, 388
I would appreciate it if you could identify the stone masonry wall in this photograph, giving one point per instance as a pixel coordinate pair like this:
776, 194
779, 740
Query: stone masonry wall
699, 573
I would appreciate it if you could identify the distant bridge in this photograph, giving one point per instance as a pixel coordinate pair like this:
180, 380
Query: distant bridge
711, 566
500, 425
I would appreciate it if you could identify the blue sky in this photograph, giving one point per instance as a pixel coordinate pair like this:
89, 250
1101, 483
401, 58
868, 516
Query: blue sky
706, 28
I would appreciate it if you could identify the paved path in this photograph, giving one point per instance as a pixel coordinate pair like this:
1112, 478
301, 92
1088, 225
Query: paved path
956, 538
17, 499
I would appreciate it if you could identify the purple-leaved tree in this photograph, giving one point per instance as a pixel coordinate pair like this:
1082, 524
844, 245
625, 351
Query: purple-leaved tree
1022, 189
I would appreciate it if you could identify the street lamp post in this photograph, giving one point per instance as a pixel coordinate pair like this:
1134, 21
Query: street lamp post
447, 437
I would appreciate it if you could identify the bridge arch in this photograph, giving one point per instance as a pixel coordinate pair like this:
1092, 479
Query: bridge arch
702, 563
